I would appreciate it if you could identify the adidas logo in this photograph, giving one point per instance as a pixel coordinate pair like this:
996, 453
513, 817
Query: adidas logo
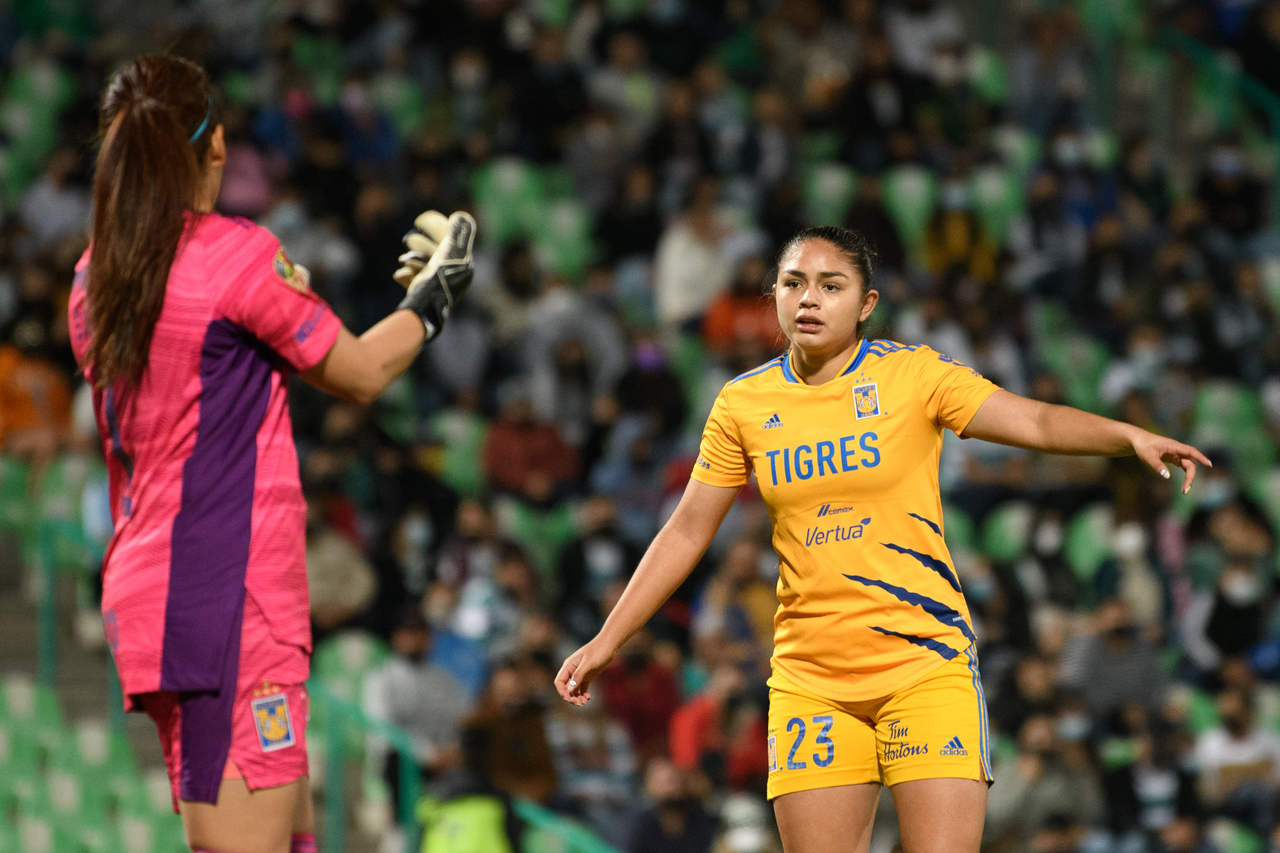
953, 747
773, 422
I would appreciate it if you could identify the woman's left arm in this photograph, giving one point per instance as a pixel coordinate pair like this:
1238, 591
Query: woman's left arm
1006, 418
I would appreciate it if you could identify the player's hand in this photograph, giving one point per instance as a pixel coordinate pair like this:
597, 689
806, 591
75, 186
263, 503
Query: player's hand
439, 266
420, 243
580, 669
1160, 452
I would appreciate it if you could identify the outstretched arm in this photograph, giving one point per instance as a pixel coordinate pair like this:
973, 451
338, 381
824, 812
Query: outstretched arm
1006, 418
671, 556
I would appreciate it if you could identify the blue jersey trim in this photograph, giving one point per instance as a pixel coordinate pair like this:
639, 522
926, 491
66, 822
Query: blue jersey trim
857, 359
773, 362
787, 372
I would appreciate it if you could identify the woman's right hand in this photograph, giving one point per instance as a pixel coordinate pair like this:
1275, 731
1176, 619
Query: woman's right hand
581, 668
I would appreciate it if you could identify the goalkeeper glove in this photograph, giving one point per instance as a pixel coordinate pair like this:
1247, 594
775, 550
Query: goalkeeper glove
438, 267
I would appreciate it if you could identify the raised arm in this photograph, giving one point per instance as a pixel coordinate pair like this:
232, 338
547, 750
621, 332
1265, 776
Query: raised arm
1006, 418
360, 369
669, 560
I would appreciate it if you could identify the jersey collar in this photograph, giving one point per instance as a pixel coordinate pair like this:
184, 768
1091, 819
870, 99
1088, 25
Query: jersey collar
854, 361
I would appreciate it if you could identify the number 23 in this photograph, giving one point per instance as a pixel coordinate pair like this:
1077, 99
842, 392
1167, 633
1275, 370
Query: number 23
823, 739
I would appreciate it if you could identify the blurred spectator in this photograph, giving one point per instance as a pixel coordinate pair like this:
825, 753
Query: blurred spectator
631, 226
917, 27
740, 604
595, 764
57, 205
35, 396
598, 559
1115, 664
341, 583
628, 87
675, 821
690, 267
678, 150
549, 99
520, 759
744, 312
720, 732
469, 811
642, 694
1051, 789
1240, 765
1232, 197
1047, 75
420, 698
522, 456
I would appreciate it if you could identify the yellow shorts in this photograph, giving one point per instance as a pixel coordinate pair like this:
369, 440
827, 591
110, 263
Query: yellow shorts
935, 728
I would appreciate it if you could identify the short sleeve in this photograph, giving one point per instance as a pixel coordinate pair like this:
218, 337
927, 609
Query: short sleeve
272, 299
952, 393
721, 458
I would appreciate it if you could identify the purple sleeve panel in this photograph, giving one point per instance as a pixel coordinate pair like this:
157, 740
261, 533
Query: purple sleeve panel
210, 544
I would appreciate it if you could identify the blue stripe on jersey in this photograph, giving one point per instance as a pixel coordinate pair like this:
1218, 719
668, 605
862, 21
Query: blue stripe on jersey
761, 369
936, 609
936, 528
857, 360
787, 372
942, 649
929, 562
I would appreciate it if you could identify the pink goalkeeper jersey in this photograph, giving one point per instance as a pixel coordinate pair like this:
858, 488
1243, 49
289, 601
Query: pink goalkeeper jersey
205, 492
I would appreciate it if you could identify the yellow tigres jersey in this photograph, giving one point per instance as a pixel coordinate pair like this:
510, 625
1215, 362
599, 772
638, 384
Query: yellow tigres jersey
869, 599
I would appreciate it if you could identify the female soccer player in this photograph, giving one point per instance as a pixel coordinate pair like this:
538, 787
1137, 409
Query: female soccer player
875, 672
188, 324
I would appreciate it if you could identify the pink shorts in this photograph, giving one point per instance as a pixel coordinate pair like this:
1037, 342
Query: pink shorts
255, 731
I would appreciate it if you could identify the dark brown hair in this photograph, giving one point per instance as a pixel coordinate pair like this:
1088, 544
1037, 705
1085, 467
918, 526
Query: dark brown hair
855, 248
156, 122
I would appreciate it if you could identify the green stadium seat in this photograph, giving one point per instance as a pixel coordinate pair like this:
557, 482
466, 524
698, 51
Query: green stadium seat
509, 197
1227, 403
1088, 540
402, 99
8, 838
828, 192
957, 529
19, 766
15, 500
820, 147
998, 199
1007, 530
562, 237
1227, 836
40, 833
988, 75
342, 662
1079, 361
461, 462
31, 710
320, 58
557, 182
909, 195
92, 751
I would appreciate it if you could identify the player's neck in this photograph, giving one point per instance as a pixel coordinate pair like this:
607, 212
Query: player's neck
815, 368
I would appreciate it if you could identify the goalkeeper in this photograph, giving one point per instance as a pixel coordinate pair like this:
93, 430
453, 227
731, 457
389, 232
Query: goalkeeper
187, 325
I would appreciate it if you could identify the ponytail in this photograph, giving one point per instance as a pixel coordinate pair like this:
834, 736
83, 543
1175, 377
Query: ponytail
157, 119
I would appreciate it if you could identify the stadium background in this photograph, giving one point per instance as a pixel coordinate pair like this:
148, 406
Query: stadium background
1075, 198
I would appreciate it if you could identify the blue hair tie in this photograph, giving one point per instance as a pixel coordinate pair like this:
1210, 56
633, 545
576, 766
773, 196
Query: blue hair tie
204, 124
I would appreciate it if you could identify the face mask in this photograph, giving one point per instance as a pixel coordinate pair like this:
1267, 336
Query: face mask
1130, 541
980, 589
955, 196
1147, 361
946, 69
1226, 163
468, 76
1241, 589
1073, 727
1214, 492
1048, 539
1068, 151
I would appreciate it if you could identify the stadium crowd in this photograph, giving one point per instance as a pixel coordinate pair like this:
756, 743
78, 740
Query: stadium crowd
634, 165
